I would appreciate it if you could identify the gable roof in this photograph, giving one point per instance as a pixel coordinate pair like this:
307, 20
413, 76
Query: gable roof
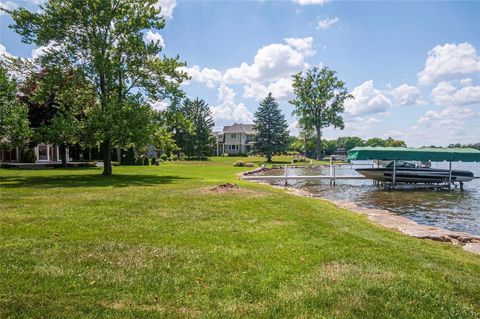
239, 128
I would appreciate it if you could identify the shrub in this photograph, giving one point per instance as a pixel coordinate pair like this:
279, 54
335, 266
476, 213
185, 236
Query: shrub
175, 157
139, 161
146, 162
225, 155
169, 159
153, 161
29, 155
163, 157
128, 157
239, 164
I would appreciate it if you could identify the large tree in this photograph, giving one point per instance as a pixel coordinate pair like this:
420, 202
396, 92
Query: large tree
271, 127
104, 39
58, 100
319, 100
14, 128
199, 141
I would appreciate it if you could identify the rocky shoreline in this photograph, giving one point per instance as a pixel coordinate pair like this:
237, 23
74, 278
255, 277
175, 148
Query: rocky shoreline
391, 220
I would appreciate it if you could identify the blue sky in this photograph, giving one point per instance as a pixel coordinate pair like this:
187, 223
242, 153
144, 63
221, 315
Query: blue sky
414, 67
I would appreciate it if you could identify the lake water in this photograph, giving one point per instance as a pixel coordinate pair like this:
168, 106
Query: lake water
454, 210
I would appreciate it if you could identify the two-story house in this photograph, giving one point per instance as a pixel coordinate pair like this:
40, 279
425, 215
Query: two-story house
235, 139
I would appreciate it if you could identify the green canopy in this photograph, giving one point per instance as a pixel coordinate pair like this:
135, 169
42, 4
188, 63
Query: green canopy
414, 154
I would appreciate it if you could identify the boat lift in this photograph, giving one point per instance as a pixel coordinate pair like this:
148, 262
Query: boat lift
416, 154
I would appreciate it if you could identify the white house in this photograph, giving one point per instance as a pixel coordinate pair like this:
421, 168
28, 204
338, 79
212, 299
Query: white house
44, 153
235, 139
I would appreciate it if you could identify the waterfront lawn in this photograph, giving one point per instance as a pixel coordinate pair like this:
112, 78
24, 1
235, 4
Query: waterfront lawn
157, 242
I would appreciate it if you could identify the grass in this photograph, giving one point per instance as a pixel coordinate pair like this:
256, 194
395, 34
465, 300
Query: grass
156, 242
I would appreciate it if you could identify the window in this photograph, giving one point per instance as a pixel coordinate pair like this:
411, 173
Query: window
233, 147
233, 135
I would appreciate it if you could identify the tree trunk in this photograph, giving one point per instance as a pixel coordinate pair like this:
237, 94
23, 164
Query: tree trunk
63, 154
319, 143
107, 158
269, 157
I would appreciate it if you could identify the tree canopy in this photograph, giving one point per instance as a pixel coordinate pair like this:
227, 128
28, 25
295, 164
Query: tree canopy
319, 100
104, 39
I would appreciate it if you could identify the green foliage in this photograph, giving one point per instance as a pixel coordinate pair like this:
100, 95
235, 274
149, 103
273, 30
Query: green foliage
139, 161
175, 157
128, 157
153, 161
198, 142
458, 145
28, 155
104, 39
14, 128
271, 127
319, 101
164, 157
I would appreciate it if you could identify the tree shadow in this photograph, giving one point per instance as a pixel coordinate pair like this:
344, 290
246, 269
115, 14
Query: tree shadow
86, 180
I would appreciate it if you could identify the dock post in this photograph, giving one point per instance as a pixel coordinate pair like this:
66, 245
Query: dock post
450, 175
286, 175
394, 173
333, 176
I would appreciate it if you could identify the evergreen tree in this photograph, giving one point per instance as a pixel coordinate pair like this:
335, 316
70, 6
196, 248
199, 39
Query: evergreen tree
198, 142
271, 127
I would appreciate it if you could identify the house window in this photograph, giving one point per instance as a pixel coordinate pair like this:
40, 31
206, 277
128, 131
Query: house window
233, 135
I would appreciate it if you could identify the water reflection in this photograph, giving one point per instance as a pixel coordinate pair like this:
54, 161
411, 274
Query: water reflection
454, 210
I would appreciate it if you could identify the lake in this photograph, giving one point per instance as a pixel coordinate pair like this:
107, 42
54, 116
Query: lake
454, 210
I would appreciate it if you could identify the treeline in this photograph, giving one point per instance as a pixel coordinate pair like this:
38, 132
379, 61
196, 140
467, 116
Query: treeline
458, 145
307, 144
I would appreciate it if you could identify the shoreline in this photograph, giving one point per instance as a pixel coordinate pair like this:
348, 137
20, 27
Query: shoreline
390, 220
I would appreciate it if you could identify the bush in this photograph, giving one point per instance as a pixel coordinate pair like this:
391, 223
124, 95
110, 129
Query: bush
239, 164
225, 155
169, 159
153, 161
175, 157
128, 157
139, 161
29, 155
163, 157
146, 162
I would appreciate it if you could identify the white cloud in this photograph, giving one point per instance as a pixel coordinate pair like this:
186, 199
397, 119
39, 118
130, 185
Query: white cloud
4, 53
406, 94
151, 36
280, 89
447, 94
466, 82
228, 109
159, 105
7, 5
166, 6
303, 45
42, 50
448, 62
326, 23
209, 77
310, 2
272, 62
368, 100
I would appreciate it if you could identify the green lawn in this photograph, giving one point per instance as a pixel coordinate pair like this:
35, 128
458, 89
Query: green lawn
157, 242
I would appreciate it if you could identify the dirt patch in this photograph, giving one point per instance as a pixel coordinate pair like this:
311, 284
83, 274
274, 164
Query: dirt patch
229, 188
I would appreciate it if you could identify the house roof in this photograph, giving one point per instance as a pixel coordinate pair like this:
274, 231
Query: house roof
239, 128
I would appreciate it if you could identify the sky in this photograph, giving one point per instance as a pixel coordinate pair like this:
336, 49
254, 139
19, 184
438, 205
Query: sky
413, 67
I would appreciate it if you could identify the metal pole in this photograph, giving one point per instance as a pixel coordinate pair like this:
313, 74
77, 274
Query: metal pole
333, 176
286, 175
450, 175
394, 172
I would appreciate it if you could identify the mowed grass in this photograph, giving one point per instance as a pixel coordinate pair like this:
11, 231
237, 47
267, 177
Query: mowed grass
157, 242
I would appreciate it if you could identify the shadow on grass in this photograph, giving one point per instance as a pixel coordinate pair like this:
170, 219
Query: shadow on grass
86, 180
